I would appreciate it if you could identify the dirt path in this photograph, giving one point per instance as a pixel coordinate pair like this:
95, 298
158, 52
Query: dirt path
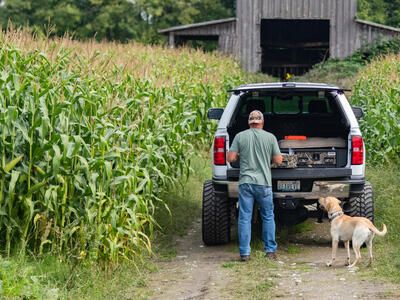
198, 272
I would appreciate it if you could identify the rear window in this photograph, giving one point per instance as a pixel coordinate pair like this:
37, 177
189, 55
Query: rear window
313, 102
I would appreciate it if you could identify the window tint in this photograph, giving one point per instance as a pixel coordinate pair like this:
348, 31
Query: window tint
287, 105
316, 105
262, 104
307, 102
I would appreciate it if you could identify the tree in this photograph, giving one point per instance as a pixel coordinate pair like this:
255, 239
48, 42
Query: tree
393, 12
139, 20
104, 19
380, 11
120, 20
372, 10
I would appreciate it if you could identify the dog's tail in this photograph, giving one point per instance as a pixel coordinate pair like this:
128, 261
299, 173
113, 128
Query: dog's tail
376, 231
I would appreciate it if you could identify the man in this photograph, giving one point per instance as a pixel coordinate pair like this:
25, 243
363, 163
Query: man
257, 149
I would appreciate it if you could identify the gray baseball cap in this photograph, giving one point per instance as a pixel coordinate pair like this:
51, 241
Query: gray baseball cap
256, 117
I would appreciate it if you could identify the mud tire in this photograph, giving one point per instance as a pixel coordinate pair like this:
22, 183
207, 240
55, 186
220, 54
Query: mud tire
216, 215
363, 205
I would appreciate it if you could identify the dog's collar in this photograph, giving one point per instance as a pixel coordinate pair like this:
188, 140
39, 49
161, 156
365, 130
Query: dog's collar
334, 215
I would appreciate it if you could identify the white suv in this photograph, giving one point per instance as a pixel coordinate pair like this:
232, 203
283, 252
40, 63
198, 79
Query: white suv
322, 145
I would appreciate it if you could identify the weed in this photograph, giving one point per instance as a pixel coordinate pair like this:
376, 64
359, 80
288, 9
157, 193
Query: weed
228, 265
293, 249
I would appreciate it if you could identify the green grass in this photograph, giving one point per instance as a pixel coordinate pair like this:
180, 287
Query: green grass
184, 206
293, 249
385, 182
253, 279
52, 278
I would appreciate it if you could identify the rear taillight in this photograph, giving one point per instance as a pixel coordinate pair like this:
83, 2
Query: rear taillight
357, 150
219, 151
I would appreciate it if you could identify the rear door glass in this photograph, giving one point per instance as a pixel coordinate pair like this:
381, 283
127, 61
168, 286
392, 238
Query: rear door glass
287, 105
310, 102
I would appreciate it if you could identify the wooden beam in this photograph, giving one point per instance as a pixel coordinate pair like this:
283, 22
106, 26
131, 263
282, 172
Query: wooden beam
171, 40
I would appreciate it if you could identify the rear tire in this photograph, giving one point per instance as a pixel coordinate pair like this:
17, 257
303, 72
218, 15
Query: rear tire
363, 205
215, 216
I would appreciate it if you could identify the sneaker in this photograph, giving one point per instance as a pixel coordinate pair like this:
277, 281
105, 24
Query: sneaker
244, 257
271, 255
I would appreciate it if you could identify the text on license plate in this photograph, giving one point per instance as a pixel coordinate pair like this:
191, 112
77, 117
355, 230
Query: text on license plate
289, 186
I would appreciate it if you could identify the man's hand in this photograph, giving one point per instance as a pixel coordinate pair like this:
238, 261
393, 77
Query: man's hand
277, 159
232, 156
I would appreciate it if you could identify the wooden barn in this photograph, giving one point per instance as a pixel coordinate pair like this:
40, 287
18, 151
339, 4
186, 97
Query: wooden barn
286, 36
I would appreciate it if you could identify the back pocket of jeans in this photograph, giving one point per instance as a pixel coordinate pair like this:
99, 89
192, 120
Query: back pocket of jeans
267, 191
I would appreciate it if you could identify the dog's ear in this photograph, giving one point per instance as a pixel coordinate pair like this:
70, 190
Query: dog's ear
322, 201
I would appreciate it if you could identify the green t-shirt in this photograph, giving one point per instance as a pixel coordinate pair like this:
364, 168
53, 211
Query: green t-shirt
256, 148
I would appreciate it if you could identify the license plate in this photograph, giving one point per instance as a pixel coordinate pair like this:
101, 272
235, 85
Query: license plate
289, 186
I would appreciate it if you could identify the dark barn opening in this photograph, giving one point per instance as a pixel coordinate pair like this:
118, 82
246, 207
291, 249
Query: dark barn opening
207, 43
293, 46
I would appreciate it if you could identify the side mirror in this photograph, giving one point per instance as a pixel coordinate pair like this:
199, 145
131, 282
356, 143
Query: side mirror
358, 112
215, 113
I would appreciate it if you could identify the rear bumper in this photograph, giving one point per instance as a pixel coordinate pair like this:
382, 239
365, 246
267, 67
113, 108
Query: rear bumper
338, 189
300, 173
325, 182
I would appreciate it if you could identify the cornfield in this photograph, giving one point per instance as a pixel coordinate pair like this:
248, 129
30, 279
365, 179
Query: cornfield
91, 134
378, 92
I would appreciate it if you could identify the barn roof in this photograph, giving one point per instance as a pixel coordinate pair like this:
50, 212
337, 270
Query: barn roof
197, 25
228, 20
369, 23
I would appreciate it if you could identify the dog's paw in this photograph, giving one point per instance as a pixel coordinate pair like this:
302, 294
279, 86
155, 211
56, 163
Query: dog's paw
352, 267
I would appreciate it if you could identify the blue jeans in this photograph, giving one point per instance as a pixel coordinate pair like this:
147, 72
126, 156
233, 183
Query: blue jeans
263, 196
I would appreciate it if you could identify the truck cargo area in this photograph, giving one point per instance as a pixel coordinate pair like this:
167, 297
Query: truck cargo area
313, 116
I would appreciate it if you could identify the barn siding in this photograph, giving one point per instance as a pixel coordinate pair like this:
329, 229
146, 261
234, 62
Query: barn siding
341, 13
368, 32
224, 29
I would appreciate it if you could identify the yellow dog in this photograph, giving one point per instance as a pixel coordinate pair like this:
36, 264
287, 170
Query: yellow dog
359, 230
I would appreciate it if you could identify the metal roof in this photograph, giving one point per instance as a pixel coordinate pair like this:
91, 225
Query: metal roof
285, 85
201, 24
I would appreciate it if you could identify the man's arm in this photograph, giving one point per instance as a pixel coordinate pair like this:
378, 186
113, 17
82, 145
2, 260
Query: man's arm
232, 156
277, 159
